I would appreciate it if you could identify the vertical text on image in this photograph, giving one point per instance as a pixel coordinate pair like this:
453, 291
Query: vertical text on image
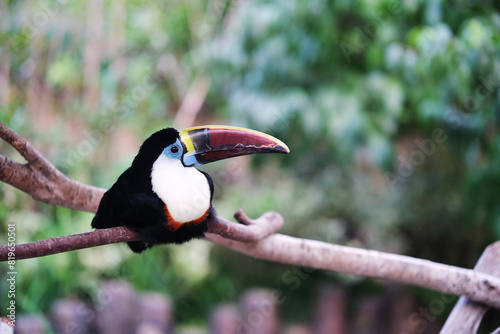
11, 274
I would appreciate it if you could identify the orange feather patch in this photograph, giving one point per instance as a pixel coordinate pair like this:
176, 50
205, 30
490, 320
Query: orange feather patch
174, 225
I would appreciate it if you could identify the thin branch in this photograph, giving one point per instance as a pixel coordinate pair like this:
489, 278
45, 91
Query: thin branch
249, 230
252, 231
21, 145
67, 243
477, 286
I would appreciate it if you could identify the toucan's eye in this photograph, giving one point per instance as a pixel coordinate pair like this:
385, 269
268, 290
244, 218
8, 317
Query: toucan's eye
174, 151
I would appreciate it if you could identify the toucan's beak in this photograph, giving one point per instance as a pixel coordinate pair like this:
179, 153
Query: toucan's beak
205, 144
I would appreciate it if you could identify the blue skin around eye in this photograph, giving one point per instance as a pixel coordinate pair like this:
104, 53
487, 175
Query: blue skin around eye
168, 150
187, 160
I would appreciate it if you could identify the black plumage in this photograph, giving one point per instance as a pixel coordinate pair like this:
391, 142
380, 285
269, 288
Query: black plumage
131, 201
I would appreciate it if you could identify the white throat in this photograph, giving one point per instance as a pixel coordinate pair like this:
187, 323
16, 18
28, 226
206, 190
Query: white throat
184, 190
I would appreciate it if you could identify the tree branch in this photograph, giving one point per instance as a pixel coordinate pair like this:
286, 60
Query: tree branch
466, 316
253, 231
251, 237
249, 230
39, 178
67, 243
315, 254
302, 252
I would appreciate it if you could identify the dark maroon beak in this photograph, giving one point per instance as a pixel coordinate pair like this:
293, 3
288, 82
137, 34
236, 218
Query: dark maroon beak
211, 143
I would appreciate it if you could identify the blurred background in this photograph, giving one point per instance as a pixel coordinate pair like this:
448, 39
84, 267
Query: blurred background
391, 110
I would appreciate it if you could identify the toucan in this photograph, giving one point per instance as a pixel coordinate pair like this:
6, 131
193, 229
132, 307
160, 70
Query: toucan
162, 195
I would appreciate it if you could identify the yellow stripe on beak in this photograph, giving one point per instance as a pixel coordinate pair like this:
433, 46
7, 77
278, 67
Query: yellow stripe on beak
186, 140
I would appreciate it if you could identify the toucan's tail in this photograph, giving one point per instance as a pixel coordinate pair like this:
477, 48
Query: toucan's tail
137, 246
105, 217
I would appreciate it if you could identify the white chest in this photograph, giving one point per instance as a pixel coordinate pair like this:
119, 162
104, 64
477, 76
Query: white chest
184, 190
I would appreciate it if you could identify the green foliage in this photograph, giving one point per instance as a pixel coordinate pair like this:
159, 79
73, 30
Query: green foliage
358, 84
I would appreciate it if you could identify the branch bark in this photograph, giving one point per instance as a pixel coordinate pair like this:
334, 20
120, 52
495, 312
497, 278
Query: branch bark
249, 230
67, 243
466, 316
252, 231
319, 255
251, 237
39, 178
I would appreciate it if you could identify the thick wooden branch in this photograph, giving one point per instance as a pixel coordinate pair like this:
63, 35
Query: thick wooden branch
39, 178
251, 238
467, 314
315, 254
